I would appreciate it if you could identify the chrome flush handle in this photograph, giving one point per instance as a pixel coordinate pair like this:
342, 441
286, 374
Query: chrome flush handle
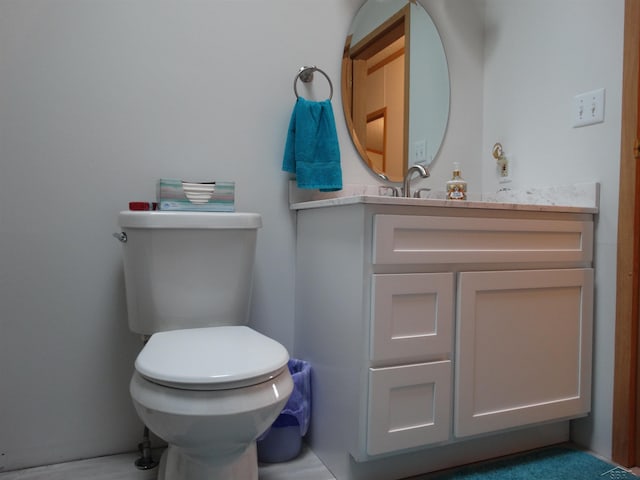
121, 236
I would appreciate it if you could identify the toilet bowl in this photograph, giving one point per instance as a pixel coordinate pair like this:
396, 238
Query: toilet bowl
209, 393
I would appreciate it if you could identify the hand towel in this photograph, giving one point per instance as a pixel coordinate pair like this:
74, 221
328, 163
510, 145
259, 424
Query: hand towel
312, 151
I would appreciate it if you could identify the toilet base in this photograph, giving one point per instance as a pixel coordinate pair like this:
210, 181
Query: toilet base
175, 465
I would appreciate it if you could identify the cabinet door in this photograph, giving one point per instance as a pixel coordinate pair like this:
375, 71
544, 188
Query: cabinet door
523, 352
409, 406
411, 317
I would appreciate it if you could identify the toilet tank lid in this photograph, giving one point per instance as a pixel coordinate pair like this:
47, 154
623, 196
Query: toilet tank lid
191, 220
211, 358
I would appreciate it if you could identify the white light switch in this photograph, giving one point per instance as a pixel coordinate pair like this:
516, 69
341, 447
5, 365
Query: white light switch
588, 108
419, 151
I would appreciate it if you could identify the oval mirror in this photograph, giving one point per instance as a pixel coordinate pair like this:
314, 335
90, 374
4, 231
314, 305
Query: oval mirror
395, 86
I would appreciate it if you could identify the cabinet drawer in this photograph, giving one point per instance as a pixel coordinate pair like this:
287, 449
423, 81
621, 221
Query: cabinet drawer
408, 239
411, 317
409, 406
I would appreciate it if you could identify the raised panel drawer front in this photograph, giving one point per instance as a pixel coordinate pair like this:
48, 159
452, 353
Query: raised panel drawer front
523, 352
412, 317
409, 406
409, 239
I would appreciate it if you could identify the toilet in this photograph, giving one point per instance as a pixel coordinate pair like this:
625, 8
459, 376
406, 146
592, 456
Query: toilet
204, 382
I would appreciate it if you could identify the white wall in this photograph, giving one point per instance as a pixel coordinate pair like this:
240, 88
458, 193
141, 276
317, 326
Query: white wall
538, 55
460, 24
97, 101
100, 99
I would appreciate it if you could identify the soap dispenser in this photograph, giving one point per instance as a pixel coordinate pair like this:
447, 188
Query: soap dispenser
456, 187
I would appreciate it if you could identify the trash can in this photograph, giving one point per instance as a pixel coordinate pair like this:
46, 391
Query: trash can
283, 441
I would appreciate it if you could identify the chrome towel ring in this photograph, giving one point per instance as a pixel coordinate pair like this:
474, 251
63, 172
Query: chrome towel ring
306, 75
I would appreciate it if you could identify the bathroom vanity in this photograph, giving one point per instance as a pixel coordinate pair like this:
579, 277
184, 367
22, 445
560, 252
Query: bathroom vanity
441, 332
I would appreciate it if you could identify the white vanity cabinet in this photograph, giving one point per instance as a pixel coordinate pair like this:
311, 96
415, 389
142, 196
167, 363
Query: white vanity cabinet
426, 326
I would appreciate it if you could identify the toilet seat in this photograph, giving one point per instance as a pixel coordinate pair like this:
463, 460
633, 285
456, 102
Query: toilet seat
211, 358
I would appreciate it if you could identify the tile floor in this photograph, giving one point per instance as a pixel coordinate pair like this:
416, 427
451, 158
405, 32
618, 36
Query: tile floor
120, 467
307, 466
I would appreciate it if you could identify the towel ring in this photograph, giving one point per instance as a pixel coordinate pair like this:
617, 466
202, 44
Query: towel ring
306, 75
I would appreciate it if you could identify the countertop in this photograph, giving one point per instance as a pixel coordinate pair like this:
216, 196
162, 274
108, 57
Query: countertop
582, 198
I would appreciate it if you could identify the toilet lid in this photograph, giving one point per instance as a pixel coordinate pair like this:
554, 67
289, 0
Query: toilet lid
212, 358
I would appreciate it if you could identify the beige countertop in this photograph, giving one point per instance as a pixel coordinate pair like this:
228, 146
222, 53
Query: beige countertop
582, 198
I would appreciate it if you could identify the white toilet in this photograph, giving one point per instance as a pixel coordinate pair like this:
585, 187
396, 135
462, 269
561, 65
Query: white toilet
204, 382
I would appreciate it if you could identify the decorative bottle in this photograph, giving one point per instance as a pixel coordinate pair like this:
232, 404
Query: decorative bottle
457, 186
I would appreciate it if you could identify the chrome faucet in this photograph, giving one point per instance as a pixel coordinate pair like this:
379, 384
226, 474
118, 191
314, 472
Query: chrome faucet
424, 173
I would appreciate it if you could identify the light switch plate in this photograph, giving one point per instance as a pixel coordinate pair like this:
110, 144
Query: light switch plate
588, 108
419, 151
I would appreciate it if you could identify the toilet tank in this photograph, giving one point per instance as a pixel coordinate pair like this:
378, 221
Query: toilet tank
187, 269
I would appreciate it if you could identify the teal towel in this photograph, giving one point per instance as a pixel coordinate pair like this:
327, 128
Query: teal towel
312, 150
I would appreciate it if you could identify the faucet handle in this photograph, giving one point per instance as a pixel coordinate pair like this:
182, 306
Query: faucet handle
418, 193
384, 190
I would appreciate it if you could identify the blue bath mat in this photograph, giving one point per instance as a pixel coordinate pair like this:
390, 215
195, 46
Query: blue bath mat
556, 463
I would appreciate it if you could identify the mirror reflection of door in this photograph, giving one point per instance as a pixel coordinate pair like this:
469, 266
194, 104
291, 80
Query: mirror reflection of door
378, 105
376, 140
